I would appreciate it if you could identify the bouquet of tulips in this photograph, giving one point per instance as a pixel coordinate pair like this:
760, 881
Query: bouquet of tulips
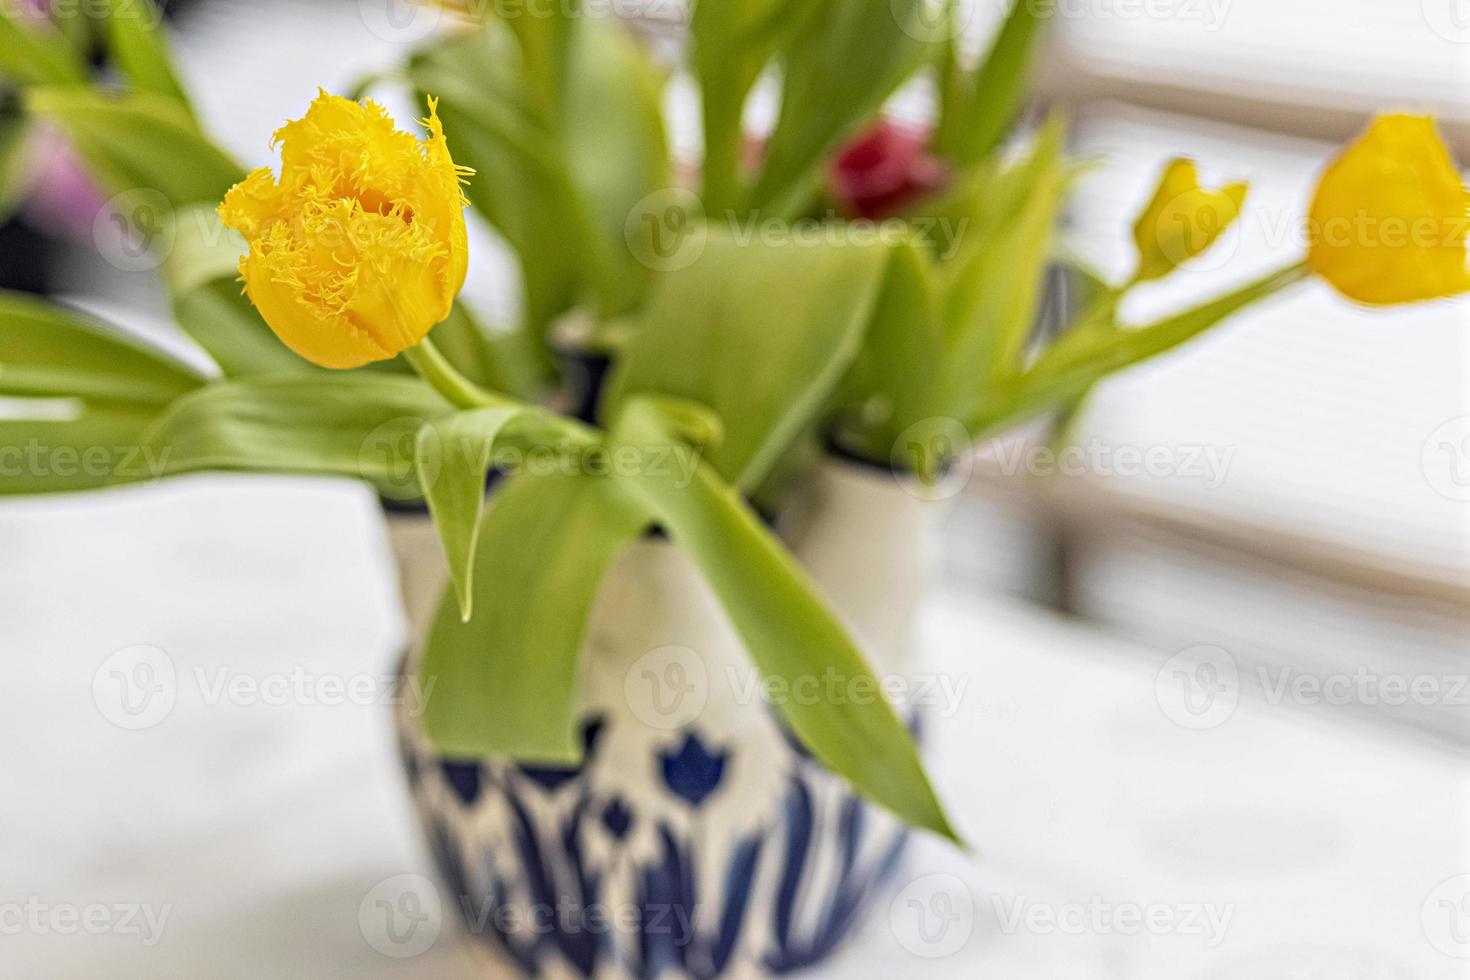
847, 280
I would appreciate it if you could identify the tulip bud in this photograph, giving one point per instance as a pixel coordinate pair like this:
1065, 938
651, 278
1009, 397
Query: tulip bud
885, 169
1183, 220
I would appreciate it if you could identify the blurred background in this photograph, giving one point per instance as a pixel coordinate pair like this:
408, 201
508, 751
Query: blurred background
1278, 514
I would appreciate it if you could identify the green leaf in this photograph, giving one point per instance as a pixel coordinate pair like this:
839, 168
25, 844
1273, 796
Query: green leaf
137, 47
893, 382
789, 633
761, 333
978, 111
79, 34
544, 39
520, 184
558, 181
991, 308
46, 350
91, 446
358, 424
616, 153
15, 163
733, 40
453, 457
1081, 358
139, 142
506, 682
989, 196
952, 89
848, 56
36, 54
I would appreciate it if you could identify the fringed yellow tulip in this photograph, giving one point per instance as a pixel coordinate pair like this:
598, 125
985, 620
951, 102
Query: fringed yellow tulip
1389, 219
1183, 220
359, 248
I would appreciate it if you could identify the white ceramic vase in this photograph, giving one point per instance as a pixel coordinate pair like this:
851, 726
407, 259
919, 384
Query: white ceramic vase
862, 532
696, 838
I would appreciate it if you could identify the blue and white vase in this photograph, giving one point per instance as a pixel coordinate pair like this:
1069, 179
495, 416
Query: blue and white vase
696, 839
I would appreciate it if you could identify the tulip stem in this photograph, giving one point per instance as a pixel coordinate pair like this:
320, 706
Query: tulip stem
465, 395
458, 390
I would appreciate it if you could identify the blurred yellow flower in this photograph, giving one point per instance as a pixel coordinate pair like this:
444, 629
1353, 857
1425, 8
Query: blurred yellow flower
1183, 220
1389, 219
466, 8
360, 247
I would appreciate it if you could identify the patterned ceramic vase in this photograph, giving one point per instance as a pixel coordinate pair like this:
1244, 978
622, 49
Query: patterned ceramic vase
696, 839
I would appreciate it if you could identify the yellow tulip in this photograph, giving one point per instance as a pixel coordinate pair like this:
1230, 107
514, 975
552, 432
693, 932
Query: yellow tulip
1183, 220
360, 247
1389, 218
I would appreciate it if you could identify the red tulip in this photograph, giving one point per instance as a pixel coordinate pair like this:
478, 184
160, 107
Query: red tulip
885, 169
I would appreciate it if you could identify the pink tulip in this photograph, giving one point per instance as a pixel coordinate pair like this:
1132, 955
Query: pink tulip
64, 199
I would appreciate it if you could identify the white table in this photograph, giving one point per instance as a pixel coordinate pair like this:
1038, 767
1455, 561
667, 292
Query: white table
259, 827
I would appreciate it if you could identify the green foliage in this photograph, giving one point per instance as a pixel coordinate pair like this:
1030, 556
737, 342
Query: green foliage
557, 180
614, 144
15, 169
976, 109
760, 333
78, 396
544, 39
96, 444
732, 43
843, 59
520, 185
1070, 366
994, 296
357, 424
986, 197
505, 683
120, 138
896, 380
949, 325
48, 351
137, 47
453, 457
37, 54
166, 177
